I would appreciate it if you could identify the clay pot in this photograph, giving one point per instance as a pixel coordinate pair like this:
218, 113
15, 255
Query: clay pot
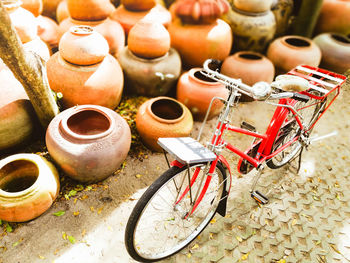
162, 117
282, 10
196, 43
88, 142
334, 17
150, 77
251, 31
253, 6
62, 11
196, 91
138, 5
148, 39
89, 10
17, 116
48, 31
39, 47
81, 45
34, 6
129, 18
290, 51
50, 7
111, 30
28, 186
335, 50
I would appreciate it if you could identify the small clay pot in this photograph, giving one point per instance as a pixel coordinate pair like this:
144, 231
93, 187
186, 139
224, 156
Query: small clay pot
39, 47
196, 91
253, 6
89, 10
290, 51
28, 186
48, 31
34, 6
138, 5
162, 117
88, 142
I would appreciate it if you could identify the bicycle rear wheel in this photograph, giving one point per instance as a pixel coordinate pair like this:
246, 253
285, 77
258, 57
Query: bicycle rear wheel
310, 112
157, 227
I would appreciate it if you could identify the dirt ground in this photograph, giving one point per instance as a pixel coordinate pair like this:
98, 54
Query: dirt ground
91, 229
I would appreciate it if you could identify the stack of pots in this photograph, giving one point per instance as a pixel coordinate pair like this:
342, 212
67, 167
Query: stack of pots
151, 67
253, 24
95, 14
197, 33
83, 71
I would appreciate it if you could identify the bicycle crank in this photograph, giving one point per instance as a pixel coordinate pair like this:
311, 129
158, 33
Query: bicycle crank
259, 197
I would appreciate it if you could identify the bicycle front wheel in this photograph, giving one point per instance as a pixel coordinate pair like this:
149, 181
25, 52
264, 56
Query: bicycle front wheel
159, 225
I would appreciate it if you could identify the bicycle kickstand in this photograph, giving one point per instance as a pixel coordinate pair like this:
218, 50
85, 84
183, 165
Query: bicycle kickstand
255, 194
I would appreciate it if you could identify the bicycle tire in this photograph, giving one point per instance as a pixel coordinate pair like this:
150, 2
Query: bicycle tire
290, 129
147, 240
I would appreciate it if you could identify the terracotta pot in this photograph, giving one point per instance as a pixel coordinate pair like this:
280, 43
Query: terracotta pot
39, 47
28, 186
88, 142
22, 20
282, 10
196, 92
253, 6
251, 31
34, 6
334, 17
196, 43
17, 116
50, 7
148, 39
290, 51
82, 45
62, 11
111, 30
89, 10
48, 31
138, 5
129, 18
150, 77
162, 117
335, 50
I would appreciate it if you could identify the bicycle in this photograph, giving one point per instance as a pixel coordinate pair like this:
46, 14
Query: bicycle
178, 206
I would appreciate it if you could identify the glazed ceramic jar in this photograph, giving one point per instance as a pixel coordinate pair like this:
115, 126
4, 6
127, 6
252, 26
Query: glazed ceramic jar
28, 186
290, 51
282, 10
196, 91
335, 50
253, 6
150, 77
88, 142
89, 10
162, 117
96, 80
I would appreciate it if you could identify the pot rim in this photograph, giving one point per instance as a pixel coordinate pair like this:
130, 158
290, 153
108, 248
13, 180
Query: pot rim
284, 42
333, 36
209, 84
260, 57
161, 119
81, 30
77, 109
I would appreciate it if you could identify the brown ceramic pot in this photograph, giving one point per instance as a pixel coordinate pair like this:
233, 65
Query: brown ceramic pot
50, 7
196, 43
253, 6
48, 31
162, 117
34, 6
88, 142
282, 10
290, 51
111, 30
62, 11
148, 39
335, 50
196, 92
28, 186
89, 10
138, 5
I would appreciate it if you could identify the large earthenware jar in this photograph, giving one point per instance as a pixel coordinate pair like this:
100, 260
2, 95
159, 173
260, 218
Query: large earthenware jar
99, 81
162, 117
89, 10
282, 10
253, 6
34, 6
334, 17
290, 51
251, 31
196, 91
88, 142
28, 186
335, 50
17, 117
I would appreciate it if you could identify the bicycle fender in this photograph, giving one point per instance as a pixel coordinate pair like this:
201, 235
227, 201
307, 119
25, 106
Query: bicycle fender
221, 210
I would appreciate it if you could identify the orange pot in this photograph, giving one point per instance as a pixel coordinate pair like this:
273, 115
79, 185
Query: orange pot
196, 42
196, 92
62, 11
162, 117
89, 10
39, 47
34, 6
50, 7
138, 5
48, 31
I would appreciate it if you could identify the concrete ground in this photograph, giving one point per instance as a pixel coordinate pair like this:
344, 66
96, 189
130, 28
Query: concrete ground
307, 218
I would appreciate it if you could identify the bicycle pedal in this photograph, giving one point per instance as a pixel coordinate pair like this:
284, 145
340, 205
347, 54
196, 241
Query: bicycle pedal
247, 126
259, 197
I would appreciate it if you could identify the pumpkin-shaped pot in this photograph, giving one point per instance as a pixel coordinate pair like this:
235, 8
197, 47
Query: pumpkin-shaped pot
196, 92
162, 117
88, 142
89, 10
28, 186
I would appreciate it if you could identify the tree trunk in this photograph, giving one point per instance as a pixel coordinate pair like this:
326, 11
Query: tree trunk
28, 68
